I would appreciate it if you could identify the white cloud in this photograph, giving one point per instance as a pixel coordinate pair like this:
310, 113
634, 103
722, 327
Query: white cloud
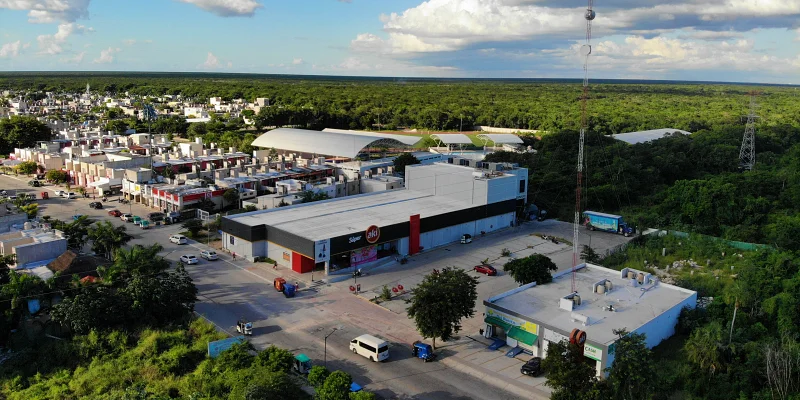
638, 54
227, 8
450, 25
106, 55
77, 59
10, 50
53, 44
129, 42
211, 61
49, 11
298, 61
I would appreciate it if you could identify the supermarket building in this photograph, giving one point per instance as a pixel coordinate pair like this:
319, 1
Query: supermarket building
440, 203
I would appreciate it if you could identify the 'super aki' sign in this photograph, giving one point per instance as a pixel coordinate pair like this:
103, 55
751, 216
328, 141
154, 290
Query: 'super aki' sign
373, 233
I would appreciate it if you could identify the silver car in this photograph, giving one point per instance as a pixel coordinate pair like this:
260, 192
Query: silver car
209, 255
189, 259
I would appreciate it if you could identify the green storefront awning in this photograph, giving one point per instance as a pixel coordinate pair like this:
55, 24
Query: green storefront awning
499, 322
523, 336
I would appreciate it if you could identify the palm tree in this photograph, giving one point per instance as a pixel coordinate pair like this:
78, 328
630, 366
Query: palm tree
139, 260
704, 346
107, 238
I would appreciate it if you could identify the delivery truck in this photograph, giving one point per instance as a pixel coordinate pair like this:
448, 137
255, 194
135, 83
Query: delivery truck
607, 223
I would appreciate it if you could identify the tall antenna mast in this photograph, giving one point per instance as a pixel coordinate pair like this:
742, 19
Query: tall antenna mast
586, 50
747, 154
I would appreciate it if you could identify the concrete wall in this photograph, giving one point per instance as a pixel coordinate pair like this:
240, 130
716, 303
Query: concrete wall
242, 247
441, 237
36, 252
663, 326
502, 189
276, 253
7, 221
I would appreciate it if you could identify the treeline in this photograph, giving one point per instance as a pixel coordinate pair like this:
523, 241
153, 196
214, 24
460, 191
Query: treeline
448, 105
744, 344
690, 183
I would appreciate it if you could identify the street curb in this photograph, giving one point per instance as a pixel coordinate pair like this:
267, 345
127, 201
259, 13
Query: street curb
494, 379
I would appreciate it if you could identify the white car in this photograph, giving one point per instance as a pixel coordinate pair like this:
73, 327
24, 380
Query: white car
126, 217
189, 259
59, 193
209, 255
70, 195
178, 239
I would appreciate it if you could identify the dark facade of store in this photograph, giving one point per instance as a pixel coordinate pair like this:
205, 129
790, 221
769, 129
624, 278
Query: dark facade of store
357, 240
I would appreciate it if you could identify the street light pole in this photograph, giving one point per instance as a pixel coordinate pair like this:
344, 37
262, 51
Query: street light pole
326, 346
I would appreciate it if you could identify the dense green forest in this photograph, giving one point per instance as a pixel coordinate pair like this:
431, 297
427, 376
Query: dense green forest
445, 104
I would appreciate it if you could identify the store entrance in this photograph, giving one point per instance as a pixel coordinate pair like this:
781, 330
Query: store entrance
364, 255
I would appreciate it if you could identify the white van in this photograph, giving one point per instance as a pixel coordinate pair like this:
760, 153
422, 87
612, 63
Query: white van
370, 347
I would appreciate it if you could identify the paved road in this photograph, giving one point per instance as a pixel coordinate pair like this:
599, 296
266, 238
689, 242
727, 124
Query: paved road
230, 289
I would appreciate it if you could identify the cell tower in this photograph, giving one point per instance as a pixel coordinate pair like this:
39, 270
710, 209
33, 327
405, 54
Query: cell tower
586, 50
747, 154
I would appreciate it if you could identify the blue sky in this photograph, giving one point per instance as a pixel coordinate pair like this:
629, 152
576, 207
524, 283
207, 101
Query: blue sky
729, 40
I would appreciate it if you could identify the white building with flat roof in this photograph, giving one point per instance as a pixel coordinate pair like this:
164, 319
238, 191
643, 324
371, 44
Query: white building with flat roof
532, 316
448, 202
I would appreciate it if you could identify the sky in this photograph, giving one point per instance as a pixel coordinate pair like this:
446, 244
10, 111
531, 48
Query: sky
700, 40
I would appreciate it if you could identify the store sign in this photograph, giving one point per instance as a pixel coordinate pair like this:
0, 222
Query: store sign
373, 234
354, 239
526, 326
322, 250
554, 337
286, 256
595, 353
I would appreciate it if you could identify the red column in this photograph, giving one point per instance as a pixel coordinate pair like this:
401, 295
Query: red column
301, 263
413, 235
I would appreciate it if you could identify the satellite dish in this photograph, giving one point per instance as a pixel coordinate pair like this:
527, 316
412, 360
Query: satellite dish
586, 50
589, 15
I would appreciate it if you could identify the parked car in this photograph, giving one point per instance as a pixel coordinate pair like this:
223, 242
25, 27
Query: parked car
68, 195
486, 269
178, 239
96, 205
209, 255
466, 238
59, 193
532, 368
114, 213
34, 183
127, 217
189, 259
144, 224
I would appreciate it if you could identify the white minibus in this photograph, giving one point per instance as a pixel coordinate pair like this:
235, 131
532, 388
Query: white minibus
370, 347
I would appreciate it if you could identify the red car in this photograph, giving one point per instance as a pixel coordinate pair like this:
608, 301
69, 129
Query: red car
114, 213
486, 269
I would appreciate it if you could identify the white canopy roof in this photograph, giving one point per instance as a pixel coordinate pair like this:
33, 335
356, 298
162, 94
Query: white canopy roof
332, 142
452, 138
646, 136
501, 138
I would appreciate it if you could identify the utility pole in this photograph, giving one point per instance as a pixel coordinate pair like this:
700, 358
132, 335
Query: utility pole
747, 154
